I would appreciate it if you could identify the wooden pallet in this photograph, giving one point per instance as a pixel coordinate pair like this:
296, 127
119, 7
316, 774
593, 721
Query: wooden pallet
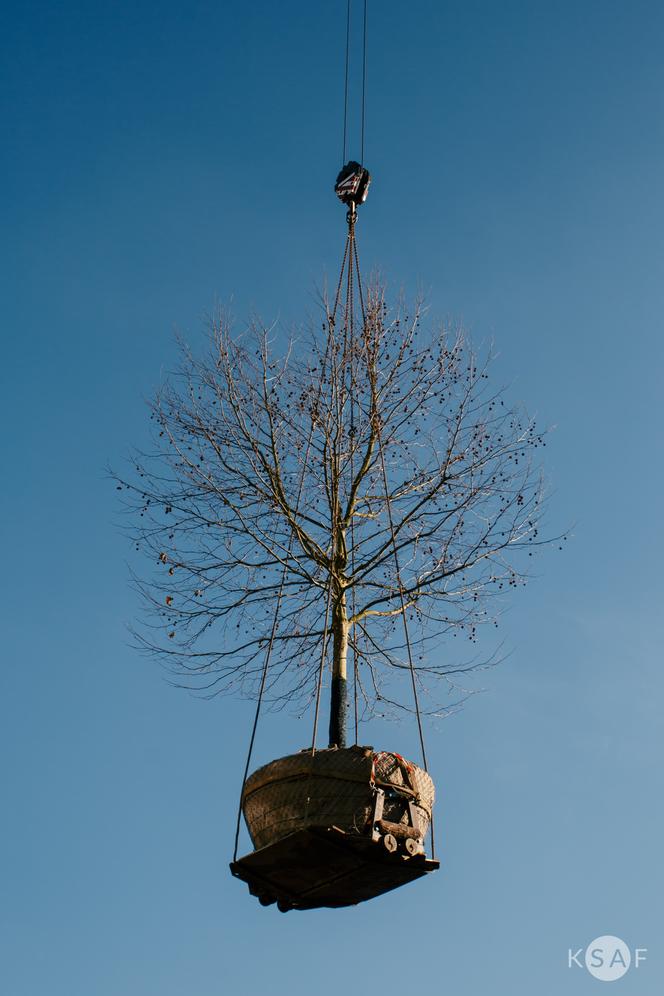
326, 867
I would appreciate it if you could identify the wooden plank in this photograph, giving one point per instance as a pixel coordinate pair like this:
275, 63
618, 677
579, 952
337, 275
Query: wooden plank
325, 867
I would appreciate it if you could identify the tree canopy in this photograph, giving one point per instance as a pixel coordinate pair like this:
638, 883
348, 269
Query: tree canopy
293, 480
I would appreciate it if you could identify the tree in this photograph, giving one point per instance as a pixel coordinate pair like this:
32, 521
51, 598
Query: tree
306, 503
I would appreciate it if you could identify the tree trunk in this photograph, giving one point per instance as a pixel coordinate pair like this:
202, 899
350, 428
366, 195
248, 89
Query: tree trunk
339, 691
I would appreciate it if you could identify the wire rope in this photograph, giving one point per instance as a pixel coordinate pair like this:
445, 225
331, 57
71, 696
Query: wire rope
397, 564
343, 157
268, 654
364, 79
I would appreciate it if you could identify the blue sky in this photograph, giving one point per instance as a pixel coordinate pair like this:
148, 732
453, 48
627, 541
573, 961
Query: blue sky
158, 158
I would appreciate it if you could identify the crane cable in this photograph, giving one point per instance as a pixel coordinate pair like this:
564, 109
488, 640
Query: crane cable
343, 154
393, 538
364, 79
364, 82
331, 317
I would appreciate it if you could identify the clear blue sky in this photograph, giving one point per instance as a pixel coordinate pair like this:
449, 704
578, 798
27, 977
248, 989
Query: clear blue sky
158, 157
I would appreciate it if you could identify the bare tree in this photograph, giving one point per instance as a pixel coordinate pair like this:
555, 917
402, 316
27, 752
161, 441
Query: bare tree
366, 474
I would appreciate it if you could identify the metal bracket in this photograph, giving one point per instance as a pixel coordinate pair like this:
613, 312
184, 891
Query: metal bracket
379, 804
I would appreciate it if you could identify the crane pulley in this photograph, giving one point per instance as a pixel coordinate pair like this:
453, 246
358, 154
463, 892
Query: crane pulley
352, 184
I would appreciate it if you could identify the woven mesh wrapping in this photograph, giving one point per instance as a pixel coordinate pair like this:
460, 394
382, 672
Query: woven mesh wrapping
331, 788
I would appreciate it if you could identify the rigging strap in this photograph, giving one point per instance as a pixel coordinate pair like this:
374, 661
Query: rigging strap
268, 653
354, 259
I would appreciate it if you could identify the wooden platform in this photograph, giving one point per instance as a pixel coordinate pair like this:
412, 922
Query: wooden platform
323, 866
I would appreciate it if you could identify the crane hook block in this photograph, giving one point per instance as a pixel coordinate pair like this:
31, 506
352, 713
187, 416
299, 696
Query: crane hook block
352, 184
